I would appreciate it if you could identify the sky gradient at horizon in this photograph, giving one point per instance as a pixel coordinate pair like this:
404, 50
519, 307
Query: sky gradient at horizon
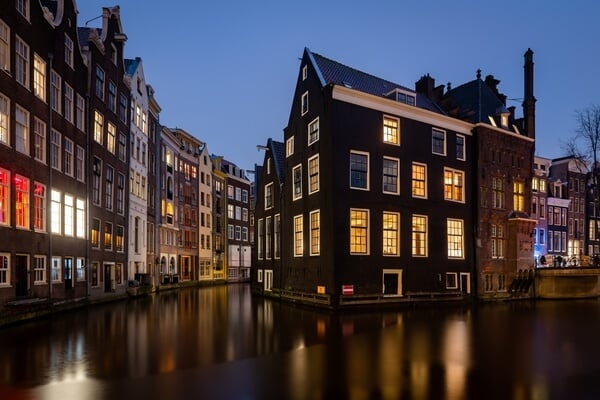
226, 71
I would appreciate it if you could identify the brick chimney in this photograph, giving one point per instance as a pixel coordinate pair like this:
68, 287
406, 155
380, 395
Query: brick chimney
528, 98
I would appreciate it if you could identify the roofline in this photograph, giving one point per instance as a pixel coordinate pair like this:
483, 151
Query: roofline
504, 131
316, 66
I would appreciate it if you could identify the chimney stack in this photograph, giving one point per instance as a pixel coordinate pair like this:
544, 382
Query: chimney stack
529, 98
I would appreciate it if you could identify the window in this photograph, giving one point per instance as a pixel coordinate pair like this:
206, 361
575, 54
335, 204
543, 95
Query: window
80, 218
304, 104
55, 270
68, 103
297, 177
261, 239
419, 236
313, 174
111, 137
497, 236
542, 207
123, 108
122, 147
69, 157
359, 170
4, 197
4, 46
230, 232
99, 83
98, 126
109, 187
498, 192
304, 72
391, 168
120, 193
230, 192
80, 269
391, 233
454, 185
21, 62
268, 236
39, 207
96, 177
313, 131
4, 118
419, 180
69, 215
359, 231
460, 147
4, 269
277, 235
542, 186
112, 96
315, 233
518, 196
80, 113
119, 238
23, 8
244, 197
55, 149
451, 280
21, 130
269, 196
438, 141
390, 130
69, 51
455, 238
80, 164
56, 91
39, 137
21, 202
298, 236
39, 77
289, 146
108, 233
94, 274
39, 270
55, 211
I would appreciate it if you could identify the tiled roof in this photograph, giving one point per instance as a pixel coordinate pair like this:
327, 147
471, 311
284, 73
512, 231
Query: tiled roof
278, 150
333, 72
131, 65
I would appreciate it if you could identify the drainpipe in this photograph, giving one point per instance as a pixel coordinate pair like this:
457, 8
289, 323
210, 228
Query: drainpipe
49, 155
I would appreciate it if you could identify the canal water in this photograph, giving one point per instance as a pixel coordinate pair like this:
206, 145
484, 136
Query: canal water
223, 343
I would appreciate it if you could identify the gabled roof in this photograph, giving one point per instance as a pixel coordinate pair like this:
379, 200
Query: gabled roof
475, 101
278, 151
333, 72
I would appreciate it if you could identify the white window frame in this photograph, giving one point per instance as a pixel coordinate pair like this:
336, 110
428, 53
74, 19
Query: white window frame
39, 140
366, 229
296, 186
289, 146
418, 196
388, 128
269, 196
4, 120
314, 178
5, 270
464, 147
396, 246
368, 178
452, 226
298, 235
455, 173
312, 231
22, 129
22, 55
444, 141
383, 184
425, 236
304, 103
4, 46
313, 134
39, 77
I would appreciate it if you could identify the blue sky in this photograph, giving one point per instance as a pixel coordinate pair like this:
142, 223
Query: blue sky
225, 71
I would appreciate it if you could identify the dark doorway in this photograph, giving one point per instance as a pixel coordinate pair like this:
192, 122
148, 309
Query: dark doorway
21, 284
107, 279
390, 283
68, 273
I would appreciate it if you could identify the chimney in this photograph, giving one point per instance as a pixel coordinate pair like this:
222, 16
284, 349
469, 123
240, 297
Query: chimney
425, 86
529, 98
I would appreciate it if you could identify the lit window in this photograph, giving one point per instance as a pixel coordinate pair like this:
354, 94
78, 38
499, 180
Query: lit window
80, 218
313, 131
313, 174
315, 233
454, 185
98, 127
298, 236
419, 180
359, 231
4, 197
69, 215
297, 181
391, 233
438, 141
289, 146
4, 119
460, 147
419, 236
455, 238
39, 207
4, 47
391, 168
359, 170
111, 137
21, 202
55, 211
55, 269
39, 77
108, 233
390, 130
518, 196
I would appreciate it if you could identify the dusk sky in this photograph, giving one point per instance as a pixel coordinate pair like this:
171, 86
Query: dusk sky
225, 71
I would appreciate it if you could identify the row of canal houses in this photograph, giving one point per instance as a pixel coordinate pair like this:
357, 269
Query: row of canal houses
94, 191
380, 193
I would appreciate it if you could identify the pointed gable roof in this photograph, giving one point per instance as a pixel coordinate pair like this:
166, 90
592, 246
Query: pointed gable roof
278, 151
333, 72
475, 101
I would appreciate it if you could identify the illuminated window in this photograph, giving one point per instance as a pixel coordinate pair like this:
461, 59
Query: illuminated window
95, 233
21, 62
498, 192
55, 211
454, 185
4, 197
542, 186
119, 238
69, 215
80, 269
313, 174
455, 238
4, 269
98, 127
108, 236
297, 183
390, 130
298, 236
39, 138
315, 233
111, 138
419, 180
438, 141
21, 130
4, 46
518, 196
391, 233
80, 218
391, 167
497, 236
4, 119
39, 207
359, 170
359, 231
289, 146
419, 236
21, 202
313, 131
39, 77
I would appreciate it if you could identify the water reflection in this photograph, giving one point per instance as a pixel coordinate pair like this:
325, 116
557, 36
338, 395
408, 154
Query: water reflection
220, 342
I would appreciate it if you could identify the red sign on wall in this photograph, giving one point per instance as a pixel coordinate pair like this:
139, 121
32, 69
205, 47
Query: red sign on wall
347, 290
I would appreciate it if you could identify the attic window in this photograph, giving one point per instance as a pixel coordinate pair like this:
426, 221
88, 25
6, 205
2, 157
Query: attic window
402, 96
304, 72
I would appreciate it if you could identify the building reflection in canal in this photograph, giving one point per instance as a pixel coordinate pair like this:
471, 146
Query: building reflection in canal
224, 342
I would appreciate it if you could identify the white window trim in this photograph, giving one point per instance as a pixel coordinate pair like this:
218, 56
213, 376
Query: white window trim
449, 274
397, 130
446, 169
397, 234
464, 157
301, 218
304, 99
368, 235
314, 121
316, 156
444, 151
364, 153
462, 250
296, 196
426, 181
397, 160
426, 237
289, 146
310, 237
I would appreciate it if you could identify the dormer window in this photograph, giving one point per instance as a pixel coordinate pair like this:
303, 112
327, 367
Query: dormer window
504, 120
402, 96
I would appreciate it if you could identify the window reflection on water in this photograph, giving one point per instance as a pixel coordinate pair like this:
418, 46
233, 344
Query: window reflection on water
228, 340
